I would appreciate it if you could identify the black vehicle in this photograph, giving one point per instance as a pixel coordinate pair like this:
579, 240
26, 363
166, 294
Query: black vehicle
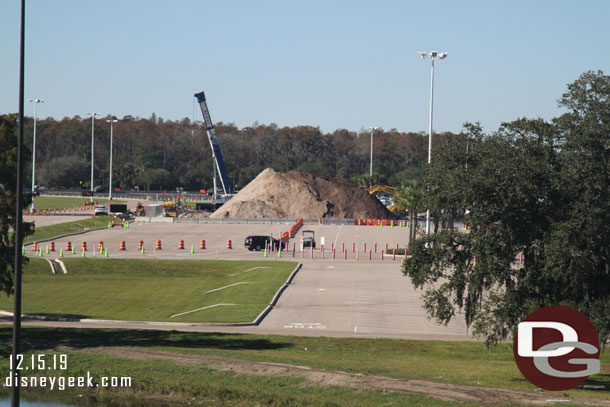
308, 238
258, 243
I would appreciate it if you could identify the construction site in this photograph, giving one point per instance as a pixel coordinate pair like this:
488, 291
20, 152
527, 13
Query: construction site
276, 195
329, 224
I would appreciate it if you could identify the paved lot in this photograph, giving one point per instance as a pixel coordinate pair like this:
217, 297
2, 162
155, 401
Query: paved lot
328, 297
46, 220
216, 236
359, 298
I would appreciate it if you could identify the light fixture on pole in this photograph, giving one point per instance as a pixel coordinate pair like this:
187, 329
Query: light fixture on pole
36, 102
371, 129
111, 121
93, 114
432, 55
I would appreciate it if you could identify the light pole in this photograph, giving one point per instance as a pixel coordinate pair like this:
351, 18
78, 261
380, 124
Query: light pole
371, 129
432, 55
93, 114
36, 102
111, 121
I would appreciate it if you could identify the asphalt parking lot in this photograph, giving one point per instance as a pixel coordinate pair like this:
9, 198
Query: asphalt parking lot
352, 238
329, 297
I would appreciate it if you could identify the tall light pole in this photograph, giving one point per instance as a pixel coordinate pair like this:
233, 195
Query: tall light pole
111, 121
432, 55
36, 102
93, 114
15, 373
371, 129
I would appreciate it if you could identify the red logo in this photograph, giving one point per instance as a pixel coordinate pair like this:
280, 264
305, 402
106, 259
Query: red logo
556, 348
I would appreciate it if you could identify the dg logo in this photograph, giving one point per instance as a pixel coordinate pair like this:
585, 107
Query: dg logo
556, 348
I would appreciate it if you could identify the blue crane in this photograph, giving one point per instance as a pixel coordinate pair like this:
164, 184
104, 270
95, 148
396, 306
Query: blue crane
216, 154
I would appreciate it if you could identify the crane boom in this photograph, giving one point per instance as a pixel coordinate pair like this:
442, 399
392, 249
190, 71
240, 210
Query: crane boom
209, 127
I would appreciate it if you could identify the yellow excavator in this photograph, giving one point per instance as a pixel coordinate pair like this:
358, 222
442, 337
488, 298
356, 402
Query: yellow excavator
384, 190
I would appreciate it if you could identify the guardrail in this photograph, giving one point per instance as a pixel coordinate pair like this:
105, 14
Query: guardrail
150, 195
232, 220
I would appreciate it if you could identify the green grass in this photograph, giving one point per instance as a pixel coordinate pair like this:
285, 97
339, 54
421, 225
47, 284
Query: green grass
66, 228
60, 202
164, 383
151, 290
399, 252
460, 363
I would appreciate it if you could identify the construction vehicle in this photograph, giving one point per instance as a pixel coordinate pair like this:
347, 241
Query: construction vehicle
385, 194
308, 238
176, 206
216, 154
140, 210
382, 188
170, 209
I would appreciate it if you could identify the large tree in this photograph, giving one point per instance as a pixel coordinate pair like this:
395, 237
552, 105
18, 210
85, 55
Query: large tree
8, 201
535, 197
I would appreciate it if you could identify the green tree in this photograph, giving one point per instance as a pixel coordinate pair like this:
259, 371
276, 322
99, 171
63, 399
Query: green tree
64, 172
410, 197
536, 188
8, 201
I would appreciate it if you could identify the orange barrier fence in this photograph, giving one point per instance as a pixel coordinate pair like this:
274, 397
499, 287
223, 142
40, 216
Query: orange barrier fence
293, 230
379, 222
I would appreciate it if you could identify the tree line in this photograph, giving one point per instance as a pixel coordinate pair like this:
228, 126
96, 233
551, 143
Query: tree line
156, 154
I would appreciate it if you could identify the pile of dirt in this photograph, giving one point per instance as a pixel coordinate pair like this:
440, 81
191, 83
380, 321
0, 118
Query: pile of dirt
297, 194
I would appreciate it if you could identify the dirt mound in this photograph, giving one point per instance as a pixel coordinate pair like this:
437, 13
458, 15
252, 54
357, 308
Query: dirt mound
297, 194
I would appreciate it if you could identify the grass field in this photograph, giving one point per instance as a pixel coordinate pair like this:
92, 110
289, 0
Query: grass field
151, 290
61, 229
60, 202
200, 383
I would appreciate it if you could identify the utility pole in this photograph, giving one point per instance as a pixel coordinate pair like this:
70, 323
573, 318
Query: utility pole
371, 129
111, 121
36, 102
93, 114
432, 55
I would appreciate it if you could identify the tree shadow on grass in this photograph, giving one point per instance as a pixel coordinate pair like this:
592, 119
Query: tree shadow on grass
598, 382
59, 316
48, 338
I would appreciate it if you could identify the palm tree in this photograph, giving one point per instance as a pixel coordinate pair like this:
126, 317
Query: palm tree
409, 197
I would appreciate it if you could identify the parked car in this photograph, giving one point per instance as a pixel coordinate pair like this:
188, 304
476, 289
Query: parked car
308, 238
258, 243
100, 210
125, 216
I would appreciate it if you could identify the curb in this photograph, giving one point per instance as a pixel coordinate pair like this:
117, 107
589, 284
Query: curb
276, 298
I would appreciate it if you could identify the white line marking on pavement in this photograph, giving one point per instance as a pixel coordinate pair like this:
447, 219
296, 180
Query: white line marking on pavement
322, 289
199, 309
253, 268
338, 233
355, 329
230, 285
300, 325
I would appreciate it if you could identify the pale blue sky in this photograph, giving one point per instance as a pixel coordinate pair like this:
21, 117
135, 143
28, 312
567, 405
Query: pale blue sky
333, 64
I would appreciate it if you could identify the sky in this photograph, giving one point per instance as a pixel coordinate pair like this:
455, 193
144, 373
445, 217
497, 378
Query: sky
333, 64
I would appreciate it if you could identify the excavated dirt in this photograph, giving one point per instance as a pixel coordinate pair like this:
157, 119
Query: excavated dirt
297, 194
